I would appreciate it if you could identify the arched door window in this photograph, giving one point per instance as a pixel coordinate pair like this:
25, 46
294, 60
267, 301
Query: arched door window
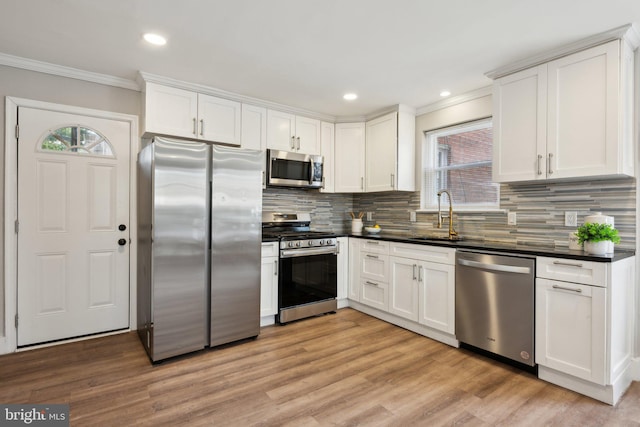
77, 139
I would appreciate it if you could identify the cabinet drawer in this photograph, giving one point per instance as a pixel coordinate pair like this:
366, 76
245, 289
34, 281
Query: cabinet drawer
269, 249
375, 246
374, 294
374, 266
568, 270
424, 253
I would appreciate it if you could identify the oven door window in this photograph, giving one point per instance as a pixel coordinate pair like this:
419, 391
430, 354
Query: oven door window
307, 279
290, 169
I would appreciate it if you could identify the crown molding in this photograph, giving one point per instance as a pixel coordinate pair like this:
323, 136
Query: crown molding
62, 71
628, 32
455, 100
144, 77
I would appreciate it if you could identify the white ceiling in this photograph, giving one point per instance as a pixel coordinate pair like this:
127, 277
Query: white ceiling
307, 53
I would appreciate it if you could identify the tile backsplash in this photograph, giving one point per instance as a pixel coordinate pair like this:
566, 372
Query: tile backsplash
539, 209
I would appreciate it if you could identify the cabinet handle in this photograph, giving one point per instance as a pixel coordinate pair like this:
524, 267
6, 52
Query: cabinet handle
539, 161
293, 142
562, 288
549, 170
298, 143
195, 126
570, 264
393, 180
362, 183
414, 272
372, 256
371, 283
201, 127
373, 242
420, 274
275, 269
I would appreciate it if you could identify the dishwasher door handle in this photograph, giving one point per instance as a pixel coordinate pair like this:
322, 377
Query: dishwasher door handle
495, 267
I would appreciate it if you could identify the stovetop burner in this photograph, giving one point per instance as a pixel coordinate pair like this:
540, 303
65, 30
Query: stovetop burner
291, 226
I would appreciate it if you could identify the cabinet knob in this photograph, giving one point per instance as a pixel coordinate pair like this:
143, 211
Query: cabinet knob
122, 242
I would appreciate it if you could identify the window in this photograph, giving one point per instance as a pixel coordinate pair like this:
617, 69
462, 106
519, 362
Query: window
77, 139
458, 159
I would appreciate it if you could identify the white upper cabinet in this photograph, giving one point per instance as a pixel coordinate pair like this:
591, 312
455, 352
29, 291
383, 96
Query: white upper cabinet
349, 157
568, 118
254, 127
390, 152
288, 132
182, 113
381, 153
327, 138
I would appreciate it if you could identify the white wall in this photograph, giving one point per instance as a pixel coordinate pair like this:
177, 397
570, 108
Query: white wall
61, 90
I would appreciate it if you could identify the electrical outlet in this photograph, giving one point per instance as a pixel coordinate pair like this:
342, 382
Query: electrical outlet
412, 216
571, 219
511, 218
369, 216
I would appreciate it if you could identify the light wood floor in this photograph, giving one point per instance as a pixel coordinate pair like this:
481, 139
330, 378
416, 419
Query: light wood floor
342, 369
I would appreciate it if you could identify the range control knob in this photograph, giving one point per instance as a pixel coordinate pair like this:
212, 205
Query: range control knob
321, 242
298, 244
310, 244
290, 244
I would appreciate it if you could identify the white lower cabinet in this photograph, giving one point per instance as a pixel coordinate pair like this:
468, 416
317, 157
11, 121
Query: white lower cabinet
410, 285
269, 283
584, 325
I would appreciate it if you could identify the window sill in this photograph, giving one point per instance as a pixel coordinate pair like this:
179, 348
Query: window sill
463, 209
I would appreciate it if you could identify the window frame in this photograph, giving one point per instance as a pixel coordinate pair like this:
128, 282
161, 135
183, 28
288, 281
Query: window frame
431, 154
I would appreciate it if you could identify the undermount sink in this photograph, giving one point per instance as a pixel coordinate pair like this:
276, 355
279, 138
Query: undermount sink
438, 238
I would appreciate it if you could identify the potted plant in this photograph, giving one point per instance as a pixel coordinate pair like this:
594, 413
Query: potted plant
596, 237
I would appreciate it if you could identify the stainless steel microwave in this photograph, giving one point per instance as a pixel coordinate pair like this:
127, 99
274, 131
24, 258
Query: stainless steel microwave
286, 169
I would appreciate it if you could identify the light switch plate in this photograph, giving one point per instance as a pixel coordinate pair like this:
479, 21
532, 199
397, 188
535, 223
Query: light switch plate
571, 219
511, 218
369, 216
412, 216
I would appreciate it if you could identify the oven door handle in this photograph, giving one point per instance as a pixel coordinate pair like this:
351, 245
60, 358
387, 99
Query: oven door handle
293, 253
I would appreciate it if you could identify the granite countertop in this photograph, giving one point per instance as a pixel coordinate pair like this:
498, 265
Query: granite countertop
558, 252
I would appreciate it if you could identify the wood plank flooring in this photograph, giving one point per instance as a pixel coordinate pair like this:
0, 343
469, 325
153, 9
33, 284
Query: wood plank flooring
345, 369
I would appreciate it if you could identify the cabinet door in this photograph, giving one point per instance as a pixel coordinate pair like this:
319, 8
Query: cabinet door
583, 113
381, 153
354, 270
170, 111
374, 294
403, 287
437, 296
343, 267
307, 135
269, 287
349, 158
219, 120
281, 130
571, 329
254, 127
519, 126
327, 137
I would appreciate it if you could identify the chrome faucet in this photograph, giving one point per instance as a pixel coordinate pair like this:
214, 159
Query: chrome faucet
452, 233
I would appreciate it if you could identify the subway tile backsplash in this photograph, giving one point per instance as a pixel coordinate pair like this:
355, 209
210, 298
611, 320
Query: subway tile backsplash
539, 209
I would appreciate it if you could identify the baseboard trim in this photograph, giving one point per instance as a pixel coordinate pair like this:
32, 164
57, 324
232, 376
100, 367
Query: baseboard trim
635, 369
407, 324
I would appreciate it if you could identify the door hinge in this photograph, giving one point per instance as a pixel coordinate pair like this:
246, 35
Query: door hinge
16, 321
17, 131
17, 226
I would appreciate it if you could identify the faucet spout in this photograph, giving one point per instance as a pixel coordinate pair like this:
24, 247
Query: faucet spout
452, 231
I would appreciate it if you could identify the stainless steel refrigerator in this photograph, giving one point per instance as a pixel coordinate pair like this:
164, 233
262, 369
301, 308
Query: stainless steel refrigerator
199, 219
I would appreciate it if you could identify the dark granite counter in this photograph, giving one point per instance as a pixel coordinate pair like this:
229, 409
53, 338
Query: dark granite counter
558, 252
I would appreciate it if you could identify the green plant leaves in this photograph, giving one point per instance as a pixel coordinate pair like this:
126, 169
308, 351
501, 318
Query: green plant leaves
591, 232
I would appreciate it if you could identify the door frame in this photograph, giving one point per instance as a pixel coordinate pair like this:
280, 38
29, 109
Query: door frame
9, 342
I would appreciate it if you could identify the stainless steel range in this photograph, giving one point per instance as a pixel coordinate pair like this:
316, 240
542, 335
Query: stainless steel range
307, 276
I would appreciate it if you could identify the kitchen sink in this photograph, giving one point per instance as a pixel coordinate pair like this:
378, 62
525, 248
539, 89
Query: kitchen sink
438, 238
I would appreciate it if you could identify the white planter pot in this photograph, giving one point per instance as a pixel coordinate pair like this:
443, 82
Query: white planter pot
598, 248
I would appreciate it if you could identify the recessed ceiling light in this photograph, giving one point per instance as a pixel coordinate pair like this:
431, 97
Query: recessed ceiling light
350, 96
445, 93
155, 39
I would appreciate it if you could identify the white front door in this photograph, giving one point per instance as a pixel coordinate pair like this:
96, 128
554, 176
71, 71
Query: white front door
73, 214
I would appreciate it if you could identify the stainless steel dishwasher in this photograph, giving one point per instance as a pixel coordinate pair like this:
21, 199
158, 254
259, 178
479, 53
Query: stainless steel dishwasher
495, 303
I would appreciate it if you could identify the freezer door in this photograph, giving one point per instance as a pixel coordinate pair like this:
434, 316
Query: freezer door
180, 246
236, 233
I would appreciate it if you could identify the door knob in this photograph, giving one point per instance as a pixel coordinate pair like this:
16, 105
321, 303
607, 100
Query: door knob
122, 242
122, 227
